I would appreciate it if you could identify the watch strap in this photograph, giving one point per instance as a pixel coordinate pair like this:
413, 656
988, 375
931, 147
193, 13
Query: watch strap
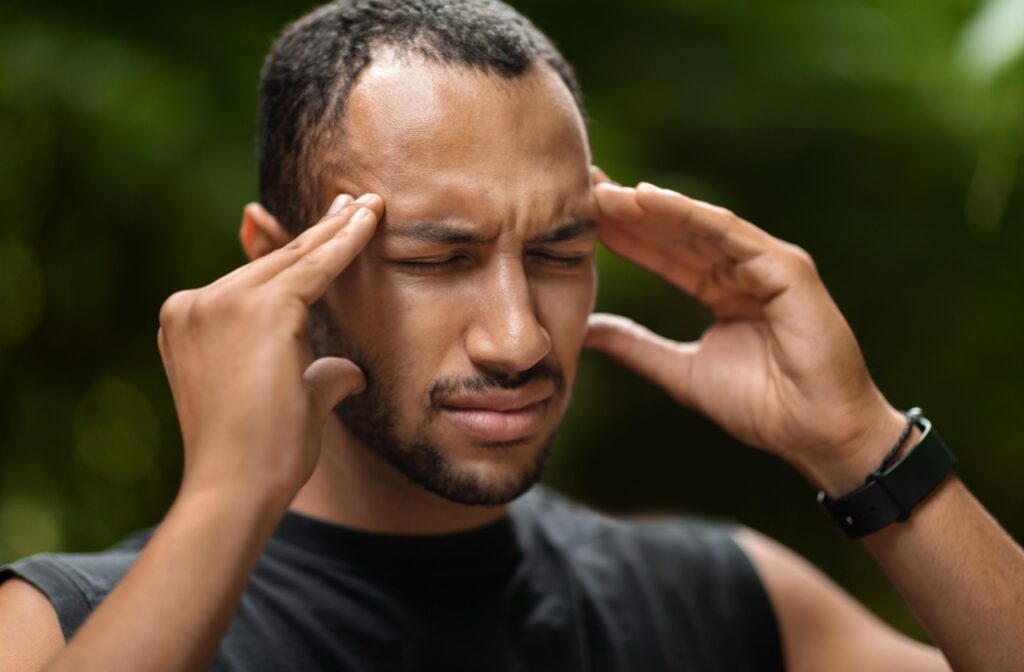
890, 495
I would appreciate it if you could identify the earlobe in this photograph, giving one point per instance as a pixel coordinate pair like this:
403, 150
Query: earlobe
260, 232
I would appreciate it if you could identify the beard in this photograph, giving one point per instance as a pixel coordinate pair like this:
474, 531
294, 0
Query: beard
372, 417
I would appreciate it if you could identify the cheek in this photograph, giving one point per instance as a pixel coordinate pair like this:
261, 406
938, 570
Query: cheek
406, 324
563, 306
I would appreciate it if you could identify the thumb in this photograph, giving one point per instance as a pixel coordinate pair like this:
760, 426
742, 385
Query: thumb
331, 379
664, 362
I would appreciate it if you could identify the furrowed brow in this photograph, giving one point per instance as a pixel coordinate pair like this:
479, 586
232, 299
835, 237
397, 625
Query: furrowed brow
566, 232
437, 232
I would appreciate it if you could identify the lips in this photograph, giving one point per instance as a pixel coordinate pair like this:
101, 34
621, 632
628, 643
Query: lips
500, 415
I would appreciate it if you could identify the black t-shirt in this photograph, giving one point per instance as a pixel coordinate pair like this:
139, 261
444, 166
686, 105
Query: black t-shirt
553, 586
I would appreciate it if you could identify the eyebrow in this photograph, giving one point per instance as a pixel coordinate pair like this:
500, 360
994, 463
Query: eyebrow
449, 234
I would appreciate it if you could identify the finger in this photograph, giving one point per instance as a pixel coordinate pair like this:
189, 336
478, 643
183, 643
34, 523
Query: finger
342, 209
737, 238
620, 208
311, 275
260, 269
598, 176
618, 203
707, 275
168, 360
341, 212
632, 244
330, 380
165, 355
664, 362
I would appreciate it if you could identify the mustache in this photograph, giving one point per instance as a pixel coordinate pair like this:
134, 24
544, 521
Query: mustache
495, 380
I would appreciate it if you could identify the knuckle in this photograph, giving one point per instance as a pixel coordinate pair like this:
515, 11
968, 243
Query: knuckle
285, 311
175, 307
295, 245
804, 256
203, 304
216, 304
799, 260
726, 212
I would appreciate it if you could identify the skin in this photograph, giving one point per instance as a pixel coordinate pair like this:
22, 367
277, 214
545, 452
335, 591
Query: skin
501, 308
779, 369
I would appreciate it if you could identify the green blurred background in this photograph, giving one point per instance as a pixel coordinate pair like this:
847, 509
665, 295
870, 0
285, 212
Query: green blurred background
883, 136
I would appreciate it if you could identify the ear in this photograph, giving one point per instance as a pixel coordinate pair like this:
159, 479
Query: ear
260, 232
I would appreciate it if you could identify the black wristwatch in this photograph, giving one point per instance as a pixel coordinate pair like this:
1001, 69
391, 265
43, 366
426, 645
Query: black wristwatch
890, 494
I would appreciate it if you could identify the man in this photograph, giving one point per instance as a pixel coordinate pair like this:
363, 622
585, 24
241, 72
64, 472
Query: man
359, 488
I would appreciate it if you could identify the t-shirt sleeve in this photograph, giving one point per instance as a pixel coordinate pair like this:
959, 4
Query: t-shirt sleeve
710, 583
74, 583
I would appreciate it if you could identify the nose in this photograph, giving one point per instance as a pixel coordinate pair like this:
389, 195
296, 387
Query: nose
506, 333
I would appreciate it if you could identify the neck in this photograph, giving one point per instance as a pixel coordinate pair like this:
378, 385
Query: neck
354, 487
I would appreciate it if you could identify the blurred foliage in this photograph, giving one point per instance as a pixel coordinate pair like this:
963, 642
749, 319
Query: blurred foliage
884, 137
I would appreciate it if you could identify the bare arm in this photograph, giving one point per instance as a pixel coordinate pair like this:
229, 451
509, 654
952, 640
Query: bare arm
962, 575
781, 370
822, 627
30, 634
172, 608
251, 403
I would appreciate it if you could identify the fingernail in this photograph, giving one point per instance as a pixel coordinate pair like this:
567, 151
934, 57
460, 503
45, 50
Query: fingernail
366, 198
339, 202
361, 215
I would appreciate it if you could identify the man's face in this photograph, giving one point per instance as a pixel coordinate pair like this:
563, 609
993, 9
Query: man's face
467, 310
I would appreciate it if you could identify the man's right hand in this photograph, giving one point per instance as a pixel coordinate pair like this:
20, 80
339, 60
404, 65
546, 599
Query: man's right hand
251, 400
252, 403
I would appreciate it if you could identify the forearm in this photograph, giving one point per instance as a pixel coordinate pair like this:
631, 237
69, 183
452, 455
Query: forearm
962, 575
172, 608
958, 570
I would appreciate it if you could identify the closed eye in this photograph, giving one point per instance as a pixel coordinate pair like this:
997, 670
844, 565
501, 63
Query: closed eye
429, 265
559, 260
553, 259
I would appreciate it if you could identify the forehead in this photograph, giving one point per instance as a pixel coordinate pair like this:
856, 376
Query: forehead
447, 141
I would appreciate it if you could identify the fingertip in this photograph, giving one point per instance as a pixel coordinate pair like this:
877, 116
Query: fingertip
598, 176
357, 380
652, 197
339, 203
617, 202
611, 187
371, 200
648, 188
599, 327
645, 190
364, 215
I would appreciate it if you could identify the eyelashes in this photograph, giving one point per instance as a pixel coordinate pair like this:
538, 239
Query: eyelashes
429, 265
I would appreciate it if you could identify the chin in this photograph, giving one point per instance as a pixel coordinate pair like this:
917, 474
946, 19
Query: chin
478, 473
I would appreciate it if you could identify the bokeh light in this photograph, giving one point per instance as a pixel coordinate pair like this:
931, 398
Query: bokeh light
885, 138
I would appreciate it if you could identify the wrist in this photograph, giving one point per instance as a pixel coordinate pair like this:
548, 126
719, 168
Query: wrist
243, 495
846, 468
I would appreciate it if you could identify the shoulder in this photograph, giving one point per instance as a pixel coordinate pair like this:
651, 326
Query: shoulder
73, 583
821, 623
581, 531
684, 577
673, 541
30, 634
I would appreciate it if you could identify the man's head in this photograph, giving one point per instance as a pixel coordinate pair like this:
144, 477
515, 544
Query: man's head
467, 310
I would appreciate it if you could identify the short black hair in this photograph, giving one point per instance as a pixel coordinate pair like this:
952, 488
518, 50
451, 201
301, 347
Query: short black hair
313, 64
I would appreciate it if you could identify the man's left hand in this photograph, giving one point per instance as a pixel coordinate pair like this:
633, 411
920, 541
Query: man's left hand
780, 368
